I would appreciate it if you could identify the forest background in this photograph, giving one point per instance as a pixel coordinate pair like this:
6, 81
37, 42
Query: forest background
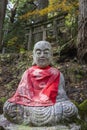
16, 16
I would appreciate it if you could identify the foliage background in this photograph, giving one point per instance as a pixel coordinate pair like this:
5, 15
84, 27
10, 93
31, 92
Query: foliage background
25, 12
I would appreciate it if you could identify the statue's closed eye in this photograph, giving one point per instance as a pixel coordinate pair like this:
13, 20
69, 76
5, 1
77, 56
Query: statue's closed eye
46, 51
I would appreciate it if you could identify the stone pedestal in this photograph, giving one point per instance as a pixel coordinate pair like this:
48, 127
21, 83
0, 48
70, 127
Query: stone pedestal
20, 127
6, 125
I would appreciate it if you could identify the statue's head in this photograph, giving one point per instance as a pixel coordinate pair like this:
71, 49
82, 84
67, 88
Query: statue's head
42, 54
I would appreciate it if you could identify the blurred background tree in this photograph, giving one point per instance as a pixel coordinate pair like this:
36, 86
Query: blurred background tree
20, 13
3, 5
82, 31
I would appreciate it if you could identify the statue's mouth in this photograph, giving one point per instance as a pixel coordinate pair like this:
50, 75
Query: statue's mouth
42, 59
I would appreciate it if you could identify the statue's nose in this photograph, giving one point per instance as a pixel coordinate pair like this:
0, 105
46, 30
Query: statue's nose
42, 54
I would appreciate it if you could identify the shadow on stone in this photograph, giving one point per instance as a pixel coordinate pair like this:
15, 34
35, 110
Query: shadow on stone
1, 128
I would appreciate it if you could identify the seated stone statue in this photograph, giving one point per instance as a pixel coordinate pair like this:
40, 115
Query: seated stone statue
40, 98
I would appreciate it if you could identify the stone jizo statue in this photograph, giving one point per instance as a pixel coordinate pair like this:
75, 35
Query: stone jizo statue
40, 98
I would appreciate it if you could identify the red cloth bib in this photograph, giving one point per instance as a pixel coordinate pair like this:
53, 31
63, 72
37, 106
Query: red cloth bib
38, 87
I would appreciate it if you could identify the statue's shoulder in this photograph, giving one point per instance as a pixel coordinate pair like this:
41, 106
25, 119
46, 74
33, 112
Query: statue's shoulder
27, 71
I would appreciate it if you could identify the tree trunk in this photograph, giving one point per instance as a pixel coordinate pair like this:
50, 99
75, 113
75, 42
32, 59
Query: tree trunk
82, 32
13, 11
41, 4
3, 4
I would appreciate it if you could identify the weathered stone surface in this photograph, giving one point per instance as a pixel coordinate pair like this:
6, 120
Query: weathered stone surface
11, 126
58, 127
30, 105
40, 116
22, 110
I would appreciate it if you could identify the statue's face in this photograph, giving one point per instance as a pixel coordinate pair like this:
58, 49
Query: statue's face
42, 54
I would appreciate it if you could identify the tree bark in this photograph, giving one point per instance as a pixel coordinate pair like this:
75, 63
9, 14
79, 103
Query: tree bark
13, 11
82, 32
3, 4
41, 4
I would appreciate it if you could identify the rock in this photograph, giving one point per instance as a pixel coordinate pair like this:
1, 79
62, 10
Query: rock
75, 127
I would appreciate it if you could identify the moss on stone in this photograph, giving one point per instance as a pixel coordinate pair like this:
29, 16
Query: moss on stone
83, 106
82, 109
84, 126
